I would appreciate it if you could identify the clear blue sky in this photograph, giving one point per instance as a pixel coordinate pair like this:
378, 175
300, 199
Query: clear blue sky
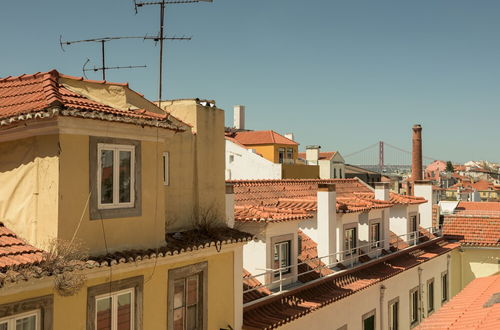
339, 73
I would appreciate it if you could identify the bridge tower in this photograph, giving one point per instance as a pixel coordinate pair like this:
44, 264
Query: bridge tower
381, 155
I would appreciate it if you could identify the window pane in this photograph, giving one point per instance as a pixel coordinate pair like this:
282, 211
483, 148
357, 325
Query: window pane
3, 326
276, 263
26, 323
192, 291
125, 176
178, 293
369, 323
124, 311
106, 176
103, 311
179, 318
191, 317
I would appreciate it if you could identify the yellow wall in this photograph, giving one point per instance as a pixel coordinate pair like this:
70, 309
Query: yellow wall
299, 171
271, 151
70, 312
29, 186
145, 231
471, 263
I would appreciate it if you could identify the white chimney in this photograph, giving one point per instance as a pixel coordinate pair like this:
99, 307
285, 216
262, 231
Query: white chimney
423, 189
290, 136
230, 205
312, 155
326, 220
382, 191
239, 116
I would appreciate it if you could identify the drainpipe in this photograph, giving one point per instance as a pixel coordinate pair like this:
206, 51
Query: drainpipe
420, 294
382, 292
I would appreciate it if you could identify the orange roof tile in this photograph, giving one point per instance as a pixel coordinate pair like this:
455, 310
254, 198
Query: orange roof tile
477, 306
284, 308
262, 137
32, 96
15, 252
470, 230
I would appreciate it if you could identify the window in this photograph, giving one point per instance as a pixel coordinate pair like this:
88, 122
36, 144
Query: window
340, 173
334, 173
115, 175
444, 287
289, 153
24, 321
187, 297
231, 158
369, 321
28, 314
394, 314
166, 167
114, 311
282, 251
413, 229
375, 235
430, 296
116, 305
281, 155
350, 241
414, 306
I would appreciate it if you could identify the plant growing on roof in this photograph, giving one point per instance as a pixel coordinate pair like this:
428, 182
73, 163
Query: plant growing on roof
449, 167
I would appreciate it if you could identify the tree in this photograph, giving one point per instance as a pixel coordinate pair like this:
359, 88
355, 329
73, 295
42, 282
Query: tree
449, 167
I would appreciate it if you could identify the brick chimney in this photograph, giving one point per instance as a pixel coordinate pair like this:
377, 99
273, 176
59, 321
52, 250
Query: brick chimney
416, 166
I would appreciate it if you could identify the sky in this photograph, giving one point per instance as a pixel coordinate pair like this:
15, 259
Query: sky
342, 74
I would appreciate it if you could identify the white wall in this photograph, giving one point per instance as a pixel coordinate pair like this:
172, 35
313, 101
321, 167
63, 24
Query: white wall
247, 165
425, 209
398, 219
350, 310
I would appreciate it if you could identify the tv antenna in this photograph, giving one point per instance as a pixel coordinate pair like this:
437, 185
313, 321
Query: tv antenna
103, 66
160, 38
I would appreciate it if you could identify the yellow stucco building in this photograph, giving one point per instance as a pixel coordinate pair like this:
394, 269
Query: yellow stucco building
139, 188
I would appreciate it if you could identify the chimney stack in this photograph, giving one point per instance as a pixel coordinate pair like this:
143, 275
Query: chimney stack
382, 191
290, 136
326, 221
416, 166
312, 155
239, 116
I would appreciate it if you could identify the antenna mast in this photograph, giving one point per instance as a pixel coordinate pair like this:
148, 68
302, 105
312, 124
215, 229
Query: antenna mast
102, 41
161, 37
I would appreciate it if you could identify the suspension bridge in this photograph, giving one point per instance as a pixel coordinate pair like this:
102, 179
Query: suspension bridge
383, 157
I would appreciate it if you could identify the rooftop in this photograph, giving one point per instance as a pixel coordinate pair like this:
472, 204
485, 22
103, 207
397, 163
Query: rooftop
328, 155
42, 95
477, 306
16, 252
473, 230
262, 137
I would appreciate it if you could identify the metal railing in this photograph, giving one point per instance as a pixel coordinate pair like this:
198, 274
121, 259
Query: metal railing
349, 258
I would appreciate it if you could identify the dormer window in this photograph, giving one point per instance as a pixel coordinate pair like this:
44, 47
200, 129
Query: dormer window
115, 175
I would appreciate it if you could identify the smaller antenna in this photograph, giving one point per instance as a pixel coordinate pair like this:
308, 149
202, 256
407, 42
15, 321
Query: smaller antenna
102, 41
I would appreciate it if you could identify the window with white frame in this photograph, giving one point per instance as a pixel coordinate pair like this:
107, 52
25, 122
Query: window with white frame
166, 168
282, 252
115, 311
24, 321
375, 235
334, 173
289, 154
115, 175
414, 306
281, 155
369, 321
413, 227
187, 297
350, 240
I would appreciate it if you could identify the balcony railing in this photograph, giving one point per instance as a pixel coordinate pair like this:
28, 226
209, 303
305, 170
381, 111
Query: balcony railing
349, 258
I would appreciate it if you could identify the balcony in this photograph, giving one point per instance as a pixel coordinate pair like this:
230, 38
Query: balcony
316, 269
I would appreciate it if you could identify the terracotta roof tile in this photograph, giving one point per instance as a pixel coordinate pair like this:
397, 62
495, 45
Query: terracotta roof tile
262, 137
31, 96
477, 306
470, 230
15, 252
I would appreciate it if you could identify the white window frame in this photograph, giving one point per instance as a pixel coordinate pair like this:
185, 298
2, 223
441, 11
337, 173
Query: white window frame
391, 318
367, 316
414, 322
11, 320
352, 250
375, 244
114, 307
431, 299
445, 289
288, 257
166, 168
116, 148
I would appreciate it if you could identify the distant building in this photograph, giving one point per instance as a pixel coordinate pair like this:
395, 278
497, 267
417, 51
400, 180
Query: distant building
331, 164
367, 176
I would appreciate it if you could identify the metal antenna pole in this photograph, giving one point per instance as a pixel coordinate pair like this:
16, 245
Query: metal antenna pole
103, 61
162, 20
